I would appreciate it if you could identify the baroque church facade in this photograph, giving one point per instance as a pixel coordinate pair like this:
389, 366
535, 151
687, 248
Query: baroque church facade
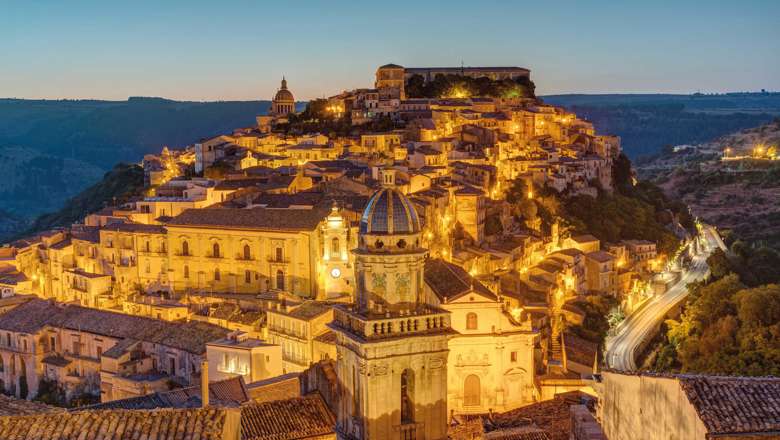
422, 338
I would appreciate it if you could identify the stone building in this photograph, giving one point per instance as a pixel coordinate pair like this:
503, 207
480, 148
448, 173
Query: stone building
96, 352
390, 82
491, 360
392, 344
688, 407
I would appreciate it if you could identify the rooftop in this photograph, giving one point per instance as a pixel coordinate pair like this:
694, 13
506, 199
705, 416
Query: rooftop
301, 417
735, 405
229, 392
35, 314
450, 281
254, 218
204, 424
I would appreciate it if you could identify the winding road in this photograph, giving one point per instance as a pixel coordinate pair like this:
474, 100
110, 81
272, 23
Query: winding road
622, 348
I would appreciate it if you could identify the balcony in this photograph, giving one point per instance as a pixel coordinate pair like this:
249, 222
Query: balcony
409, 430
297, 360
275, 260
288, 332
377, 326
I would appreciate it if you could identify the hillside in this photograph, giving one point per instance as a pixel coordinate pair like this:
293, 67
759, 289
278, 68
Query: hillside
740, 196
123, 182
51, 150
648, 123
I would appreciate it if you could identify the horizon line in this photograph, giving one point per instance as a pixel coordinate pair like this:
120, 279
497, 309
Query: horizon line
624, 93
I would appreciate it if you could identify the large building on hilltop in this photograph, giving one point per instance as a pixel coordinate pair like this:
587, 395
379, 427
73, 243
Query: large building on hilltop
391, 78
494, 73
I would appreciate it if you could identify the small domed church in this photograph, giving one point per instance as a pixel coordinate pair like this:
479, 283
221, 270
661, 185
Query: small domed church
283, 102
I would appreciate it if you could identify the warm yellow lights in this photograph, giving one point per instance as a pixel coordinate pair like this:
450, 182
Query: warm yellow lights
458, 92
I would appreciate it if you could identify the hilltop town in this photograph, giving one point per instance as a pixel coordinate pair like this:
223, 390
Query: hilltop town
390, 262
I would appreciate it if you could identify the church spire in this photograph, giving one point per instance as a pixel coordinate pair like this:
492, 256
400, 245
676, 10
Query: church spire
284, 83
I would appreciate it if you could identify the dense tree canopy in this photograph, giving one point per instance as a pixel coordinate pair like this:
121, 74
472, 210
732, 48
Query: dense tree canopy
458, 86
729, 327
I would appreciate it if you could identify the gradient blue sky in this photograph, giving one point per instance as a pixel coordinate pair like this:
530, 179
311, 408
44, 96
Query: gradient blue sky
238, 50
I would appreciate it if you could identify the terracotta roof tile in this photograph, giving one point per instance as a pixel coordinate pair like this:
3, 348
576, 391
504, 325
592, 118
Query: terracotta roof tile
450, 281
735, 405
289, 419
167, 424
226, 393
254, 218
11, 406
35, 314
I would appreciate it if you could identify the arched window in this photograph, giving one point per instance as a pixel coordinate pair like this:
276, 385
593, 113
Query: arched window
407, 396
335, 249
471, 391
185, 248
186, 271
215, 250
217, 276
280, 279
247, 252
247, 276
471, 321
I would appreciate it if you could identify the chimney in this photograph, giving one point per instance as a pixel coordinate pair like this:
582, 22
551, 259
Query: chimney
204, 383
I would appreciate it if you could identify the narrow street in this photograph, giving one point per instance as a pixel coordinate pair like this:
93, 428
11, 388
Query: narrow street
622, 348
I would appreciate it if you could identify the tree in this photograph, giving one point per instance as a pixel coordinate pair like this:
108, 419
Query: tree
517, 191
493, 225
621, 172
719, 264
764, 263
528, 209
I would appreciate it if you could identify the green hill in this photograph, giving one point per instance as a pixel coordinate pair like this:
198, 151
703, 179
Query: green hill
52, 150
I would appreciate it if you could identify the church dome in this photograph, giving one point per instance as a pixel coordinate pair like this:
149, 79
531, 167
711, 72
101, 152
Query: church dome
284, 95
389, 212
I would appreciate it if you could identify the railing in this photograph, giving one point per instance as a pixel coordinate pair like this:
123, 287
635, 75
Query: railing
408, 430
299, 360
287, 332
429, 321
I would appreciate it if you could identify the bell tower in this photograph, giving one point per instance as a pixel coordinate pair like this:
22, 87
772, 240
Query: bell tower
336, 271
392, 344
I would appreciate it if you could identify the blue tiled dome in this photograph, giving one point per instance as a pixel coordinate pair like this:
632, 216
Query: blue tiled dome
389, 212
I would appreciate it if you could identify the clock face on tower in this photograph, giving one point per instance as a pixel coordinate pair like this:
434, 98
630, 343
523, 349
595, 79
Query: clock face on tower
335, 272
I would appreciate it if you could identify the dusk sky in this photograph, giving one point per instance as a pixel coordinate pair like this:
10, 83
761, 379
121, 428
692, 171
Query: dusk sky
233, 50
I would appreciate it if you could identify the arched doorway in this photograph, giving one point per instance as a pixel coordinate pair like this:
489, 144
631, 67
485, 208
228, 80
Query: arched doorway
471, 391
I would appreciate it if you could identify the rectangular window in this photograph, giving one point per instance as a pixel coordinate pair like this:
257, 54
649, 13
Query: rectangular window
513, 356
